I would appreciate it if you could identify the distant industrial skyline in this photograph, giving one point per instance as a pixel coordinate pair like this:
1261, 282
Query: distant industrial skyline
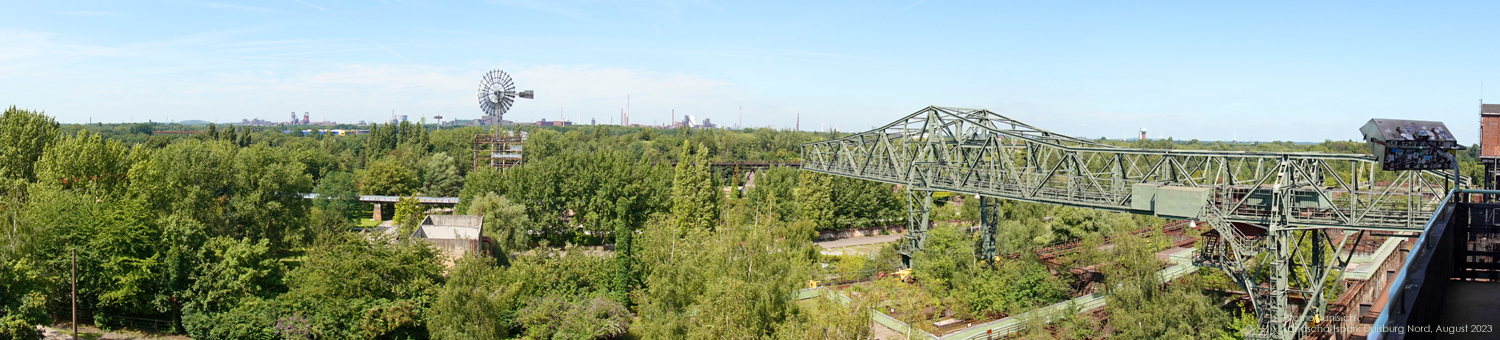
1208, 71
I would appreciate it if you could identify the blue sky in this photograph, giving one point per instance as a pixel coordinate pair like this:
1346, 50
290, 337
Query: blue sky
1190, 70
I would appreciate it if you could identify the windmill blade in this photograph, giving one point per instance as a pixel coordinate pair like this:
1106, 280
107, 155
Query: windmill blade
497, 93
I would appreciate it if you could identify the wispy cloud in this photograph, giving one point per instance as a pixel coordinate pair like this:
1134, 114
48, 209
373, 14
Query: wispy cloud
93, 13
310, 4
398, 55
545, 6
218, 5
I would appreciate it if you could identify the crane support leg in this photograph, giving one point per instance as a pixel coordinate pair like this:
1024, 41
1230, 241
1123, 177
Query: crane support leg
989, 229
918, 220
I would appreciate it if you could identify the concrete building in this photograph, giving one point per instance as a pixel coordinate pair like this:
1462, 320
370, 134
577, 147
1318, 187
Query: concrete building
455, 235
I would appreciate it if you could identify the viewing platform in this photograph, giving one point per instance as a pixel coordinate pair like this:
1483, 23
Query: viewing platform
1450, 286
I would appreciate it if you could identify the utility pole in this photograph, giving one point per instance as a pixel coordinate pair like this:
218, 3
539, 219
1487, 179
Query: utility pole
75, 292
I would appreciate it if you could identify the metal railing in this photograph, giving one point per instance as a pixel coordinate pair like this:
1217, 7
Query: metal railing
1415, 297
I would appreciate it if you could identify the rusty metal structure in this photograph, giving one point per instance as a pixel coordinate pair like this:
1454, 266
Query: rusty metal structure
1260, 205
501, 149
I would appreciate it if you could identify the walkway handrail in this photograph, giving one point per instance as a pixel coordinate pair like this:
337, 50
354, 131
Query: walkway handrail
1408, 288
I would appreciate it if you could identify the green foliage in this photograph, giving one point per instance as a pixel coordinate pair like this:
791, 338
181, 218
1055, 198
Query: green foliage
388, 177
553, 317
1177, 311
948, 268
409, 215
365, 286
337, 203
948, 256
1011, 287
192, 177
268, 199
600, 191
695, 200
477, 303
570, 273
826, 319
504, 222
815, 200
24, 136
480, 182
232, 285
23, 298
85, 162
859, 203
774, 191
731, 282
441, 177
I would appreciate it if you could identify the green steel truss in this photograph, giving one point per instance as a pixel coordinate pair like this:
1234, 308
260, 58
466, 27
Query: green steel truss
1253, 200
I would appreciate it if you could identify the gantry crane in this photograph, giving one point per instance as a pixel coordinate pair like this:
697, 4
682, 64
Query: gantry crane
1255, 202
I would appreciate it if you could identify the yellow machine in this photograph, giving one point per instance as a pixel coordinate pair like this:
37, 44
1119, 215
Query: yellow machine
904, 275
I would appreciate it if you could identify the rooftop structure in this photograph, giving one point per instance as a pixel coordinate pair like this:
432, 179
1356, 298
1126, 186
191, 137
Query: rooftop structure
455, 235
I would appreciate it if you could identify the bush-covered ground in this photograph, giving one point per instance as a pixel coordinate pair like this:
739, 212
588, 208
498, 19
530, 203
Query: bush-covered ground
210, 233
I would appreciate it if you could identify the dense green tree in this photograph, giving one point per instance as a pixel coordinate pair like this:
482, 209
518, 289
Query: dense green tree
441, 177
191, 177
476, 303
388, 177
86, 162
826, 319
365, 286
558, 317
505, 222
24, 292
182, 241
337, 203
24, 135
267, 201
232, 287
481, 182
775, 189
695, 200
737, 280
409, 215
861, 203
814, 199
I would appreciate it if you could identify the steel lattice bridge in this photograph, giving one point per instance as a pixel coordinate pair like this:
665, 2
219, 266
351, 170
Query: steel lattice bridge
1255, 202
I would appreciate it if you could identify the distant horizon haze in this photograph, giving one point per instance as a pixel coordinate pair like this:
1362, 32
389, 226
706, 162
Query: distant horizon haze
1268, 71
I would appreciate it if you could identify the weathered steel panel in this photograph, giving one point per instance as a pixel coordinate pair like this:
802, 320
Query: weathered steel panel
1141, 195
1184, 202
